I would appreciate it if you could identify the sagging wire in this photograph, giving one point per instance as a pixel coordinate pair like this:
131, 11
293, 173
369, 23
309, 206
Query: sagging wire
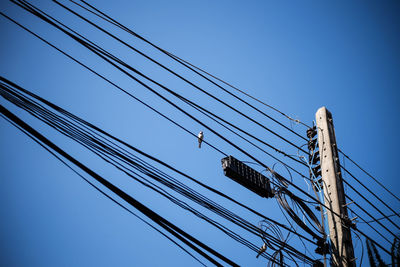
280, 181
278, 254
297, 204
282, 194
362, 247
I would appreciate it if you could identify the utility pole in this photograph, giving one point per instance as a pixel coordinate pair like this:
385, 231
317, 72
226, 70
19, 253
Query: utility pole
334, 198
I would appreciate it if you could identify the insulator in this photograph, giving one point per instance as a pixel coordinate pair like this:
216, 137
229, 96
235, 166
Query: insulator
317, 170
311, 144
313, 160
311, 132
322, 247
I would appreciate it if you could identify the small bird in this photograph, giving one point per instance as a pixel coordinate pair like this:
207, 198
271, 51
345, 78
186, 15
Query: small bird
200, 138
262, 250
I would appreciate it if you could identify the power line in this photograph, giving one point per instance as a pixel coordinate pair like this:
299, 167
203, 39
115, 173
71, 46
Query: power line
264, 165
179, 76
190, 66
217, 192
110, 82
105, 57
369, 202
364, 221
371, 192
55, 120
366, 212
254, 248
174, 230
106, 54
108, 57
364, 171
277, 175
100, 190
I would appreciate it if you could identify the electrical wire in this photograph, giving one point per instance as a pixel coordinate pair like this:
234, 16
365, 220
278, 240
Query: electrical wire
87, 125
7, 97
152, 90
274, 173
367, 173
190, 66
99, 189
54, 124
110, 82
174, 230
373, 228
369, 214
174, 73
191, 103
363, 197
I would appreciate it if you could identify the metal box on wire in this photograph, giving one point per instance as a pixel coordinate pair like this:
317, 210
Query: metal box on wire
246, 176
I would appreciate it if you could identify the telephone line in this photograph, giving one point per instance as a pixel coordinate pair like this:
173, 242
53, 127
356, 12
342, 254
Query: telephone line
104, 54
272, 171
191, 67
265, 166
367, 173
174, 230
99, 189
110, 82
369, 190
174, 73
85, 66
168, 101
369, 202
114, 153
369, 214
373, 228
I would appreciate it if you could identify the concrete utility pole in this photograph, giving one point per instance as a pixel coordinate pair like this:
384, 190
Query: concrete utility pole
334, 198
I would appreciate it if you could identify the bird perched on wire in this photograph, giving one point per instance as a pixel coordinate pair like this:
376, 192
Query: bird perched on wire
200, 138
262, 250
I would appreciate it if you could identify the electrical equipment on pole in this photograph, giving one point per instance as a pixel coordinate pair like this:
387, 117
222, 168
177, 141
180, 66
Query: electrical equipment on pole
246, 176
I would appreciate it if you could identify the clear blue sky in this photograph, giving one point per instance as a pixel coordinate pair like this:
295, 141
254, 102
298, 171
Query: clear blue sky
294, 56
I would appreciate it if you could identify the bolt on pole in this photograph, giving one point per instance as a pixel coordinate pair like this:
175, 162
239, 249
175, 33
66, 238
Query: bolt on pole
334, 197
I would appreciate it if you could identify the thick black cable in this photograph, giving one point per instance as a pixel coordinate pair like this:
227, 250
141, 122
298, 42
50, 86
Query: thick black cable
188, 65
99, 53
274, 173
170, 91
100, 190
145, 154
53, 125
366, 212
253, 247
109, 81
182, 235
